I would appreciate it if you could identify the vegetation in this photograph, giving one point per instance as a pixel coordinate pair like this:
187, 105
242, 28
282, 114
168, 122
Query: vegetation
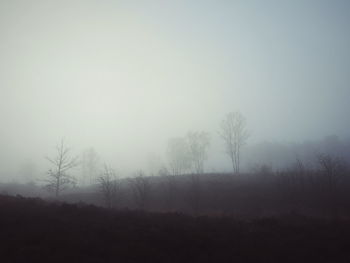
33, 230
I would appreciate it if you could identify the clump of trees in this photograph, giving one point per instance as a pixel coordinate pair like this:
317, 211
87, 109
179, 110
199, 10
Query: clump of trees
188, 153
185, 154
184, 185
318, 190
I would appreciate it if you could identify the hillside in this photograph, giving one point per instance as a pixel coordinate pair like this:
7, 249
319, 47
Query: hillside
33, 230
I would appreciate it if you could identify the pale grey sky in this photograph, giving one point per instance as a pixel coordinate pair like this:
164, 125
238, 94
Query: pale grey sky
124, 76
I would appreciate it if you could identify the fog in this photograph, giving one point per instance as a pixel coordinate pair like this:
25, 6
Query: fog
124, 77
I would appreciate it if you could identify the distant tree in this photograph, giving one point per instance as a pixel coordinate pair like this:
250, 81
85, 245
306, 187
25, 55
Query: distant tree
178, 155
58, 177
198, 144
141, 189
333, 168
89, 166
169, 187
263, 170
108, 186
234, 133
298, 172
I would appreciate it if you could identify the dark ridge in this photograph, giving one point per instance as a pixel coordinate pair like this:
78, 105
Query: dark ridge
33, 230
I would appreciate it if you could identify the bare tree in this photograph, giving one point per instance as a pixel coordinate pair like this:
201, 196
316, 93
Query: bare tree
58, 177
108, 186
235, 135
178, 156
198, 144
169, 187
89, 166
298, 170
141, 189
333, 169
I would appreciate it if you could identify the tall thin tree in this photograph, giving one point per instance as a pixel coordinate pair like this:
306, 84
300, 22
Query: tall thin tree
141, 189
198, 144
178, 155
58, 177
234, 133
108, 186
89, 166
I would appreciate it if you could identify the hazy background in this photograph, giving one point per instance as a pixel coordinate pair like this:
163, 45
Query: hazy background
125, 76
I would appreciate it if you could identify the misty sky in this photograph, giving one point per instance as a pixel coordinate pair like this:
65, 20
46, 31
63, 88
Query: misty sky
125, 76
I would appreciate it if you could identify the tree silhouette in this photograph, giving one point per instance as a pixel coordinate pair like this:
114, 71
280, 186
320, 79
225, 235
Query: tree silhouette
333, 169
141, 188
178, 156
89, 166
235, 135
58, 177
108, 186
198, 143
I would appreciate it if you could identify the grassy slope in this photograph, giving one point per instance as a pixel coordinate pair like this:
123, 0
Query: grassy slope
32, 230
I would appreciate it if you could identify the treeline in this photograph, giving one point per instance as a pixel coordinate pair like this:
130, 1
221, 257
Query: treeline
185, 154
319, 192
315, 185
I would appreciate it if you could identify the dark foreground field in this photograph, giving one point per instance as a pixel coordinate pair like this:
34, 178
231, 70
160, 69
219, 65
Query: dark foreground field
32, 230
